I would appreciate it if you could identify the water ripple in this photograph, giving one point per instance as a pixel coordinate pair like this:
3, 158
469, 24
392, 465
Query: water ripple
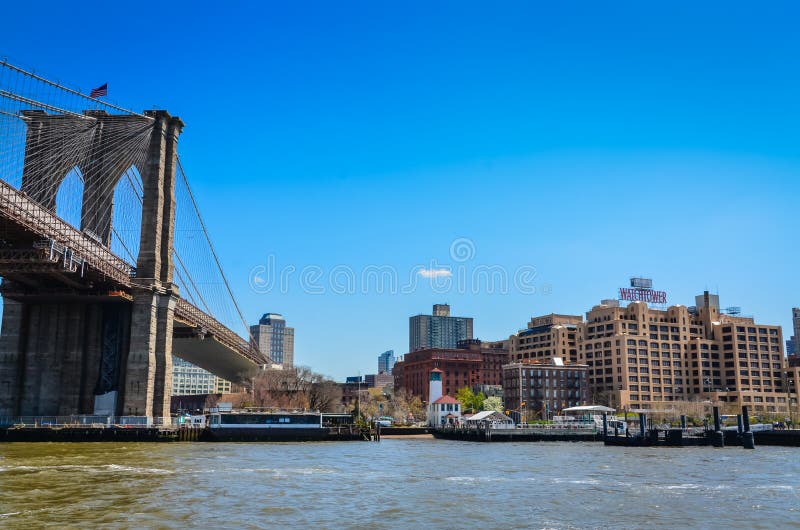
395, 483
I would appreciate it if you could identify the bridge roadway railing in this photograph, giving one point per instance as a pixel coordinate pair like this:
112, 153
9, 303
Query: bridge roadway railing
187, 312
18, 208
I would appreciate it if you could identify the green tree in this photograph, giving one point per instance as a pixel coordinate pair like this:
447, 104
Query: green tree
470, 401
493, 403
467, 397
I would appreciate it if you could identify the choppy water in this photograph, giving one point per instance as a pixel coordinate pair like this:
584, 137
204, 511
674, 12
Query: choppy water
396, 484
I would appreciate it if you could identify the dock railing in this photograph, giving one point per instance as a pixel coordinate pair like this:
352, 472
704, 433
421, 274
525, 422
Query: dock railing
86, 420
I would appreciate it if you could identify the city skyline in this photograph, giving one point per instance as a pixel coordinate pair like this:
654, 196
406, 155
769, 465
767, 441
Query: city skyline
582, 149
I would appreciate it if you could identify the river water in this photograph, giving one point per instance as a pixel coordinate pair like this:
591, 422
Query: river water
397, 483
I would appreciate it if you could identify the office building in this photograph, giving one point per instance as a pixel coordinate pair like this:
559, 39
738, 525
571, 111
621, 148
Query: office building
275, 340
386, 362
439, 330
188, 379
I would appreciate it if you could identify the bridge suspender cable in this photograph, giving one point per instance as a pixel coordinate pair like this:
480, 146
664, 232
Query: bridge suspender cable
213, 252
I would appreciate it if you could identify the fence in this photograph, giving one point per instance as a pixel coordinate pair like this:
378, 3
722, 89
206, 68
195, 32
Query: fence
86, 420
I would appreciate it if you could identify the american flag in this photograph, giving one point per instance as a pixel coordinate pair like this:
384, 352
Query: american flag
102, 90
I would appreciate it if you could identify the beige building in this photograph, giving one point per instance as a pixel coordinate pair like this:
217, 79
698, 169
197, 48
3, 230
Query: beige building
188, 379
640, 357
547, 337
643, 357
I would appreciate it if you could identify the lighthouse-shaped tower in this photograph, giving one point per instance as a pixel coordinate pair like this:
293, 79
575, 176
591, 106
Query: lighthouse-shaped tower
435, 385
442, 410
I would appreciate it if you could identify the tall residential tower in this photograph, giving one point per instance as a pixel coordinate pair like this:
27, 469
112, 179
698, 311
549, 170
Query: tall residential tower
438, 330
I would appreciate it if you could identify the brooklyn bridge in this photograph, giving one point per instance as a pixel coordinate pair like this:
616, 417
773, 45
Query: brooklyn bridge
107, 267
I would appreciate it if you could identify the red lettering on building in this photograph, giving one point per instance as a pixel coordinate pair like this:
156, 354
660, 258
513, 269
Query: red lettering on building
642, 295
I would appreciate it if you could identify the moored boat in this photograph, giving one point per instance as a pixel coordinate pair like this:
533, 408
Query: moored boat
252, 426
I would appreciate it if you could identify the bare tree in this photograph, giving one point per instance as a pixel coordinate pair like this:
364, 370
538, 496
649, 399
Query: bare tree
211, 401
295, 388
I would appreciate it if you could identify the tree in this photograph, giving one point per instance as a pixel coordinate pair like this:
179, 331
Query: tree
466, 397
469, 400
403, 403
493, 403
324, 395
295, 388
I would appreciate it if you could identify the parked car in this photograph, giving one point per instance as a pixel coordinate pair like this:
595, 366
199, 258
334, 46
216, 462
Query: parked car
384, 421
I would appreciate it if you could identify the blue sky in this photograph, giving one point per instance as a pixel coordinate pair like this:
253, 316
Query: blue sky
585, 142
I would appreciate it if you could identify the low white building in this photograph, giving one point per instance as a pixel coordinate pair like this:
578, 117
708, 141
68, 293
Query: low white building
444, 411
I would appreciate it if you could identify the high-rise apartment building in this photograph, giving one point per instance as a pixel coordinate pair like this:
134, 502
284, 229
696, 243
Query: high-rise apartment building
386, 362
439, 330
274, 339
188, 379
546, 337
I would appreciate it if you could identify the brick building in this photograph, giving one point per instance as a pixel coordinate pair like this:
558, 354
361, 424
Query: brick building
547, 386
473, 364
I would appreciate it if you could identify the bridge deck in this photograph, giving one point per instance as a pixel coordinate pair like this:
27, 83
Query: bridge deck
29, 224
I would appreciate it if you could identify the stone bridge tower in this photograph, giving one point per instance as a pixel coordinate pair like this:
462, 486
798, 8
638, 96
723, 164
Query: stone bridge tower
72, 348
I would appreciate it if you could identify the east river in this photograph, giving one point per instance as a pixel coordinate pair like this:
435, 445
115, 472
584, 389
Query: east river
397, 483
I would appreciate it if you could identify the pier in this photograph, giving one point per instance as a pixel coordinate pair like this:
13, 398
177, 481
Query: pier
520, 433
81, 428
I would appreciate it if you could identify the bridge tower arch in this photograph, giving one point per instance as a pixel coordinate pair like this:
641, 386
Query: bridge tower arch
148, 380
88, 353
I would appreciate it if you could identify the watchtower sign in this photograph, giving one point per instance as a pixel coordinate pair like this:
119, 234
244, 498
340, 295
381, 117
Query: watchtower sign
641, 290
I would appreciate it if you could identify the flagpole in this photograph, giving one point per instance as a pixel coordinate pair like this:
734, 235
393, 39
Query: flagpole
70, 90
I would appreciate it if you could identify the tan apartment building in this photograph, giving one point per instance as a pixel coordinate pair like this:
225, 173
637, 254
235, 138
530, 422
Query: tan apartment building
546, 337
643, 357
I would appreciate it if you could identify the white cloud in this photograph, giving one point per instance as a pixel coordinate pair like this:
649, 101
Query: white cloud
434, 273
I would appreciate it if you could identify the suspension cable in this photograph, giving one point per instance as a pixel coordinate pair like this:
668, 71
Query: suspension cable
214, 252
